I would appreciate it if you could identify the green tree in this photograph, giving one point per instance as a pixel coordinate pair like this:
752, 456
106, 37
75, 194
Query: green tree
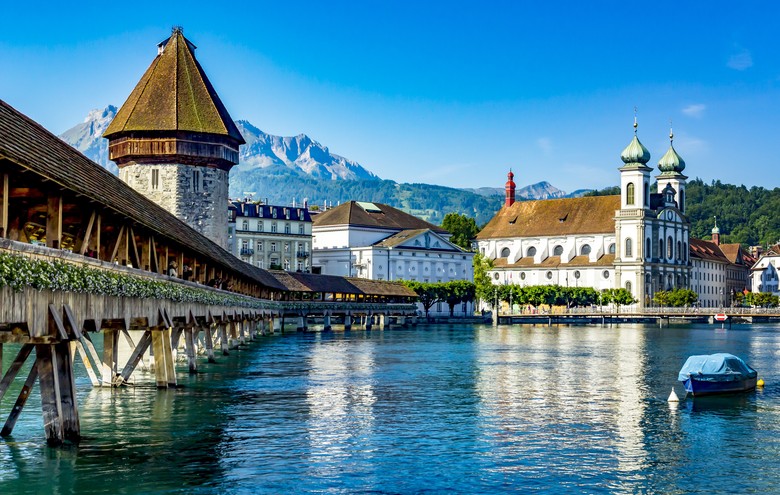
457, 291
679, 298
483, 286
427, 293
462, 228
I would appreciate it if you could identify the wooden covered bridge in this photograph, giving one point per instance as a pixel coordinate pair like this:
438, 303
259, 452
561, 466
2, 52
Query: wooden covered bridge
81, 253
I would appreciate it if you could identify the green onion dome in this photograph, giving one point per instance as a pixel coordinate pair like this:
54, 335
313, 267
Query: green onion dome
671, 162
635, 152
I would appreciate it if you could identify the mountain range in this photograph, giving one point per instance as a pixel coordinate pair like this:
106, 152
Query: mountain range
282, 170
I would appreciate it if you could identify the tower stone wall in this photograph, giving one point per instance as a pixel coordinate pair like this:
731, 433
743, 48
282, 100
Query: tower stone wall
196, 195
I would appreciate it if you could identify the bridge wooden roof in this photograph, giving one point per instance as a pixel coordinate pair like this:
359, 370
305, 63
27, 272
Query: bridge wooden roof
27, 144
308, 282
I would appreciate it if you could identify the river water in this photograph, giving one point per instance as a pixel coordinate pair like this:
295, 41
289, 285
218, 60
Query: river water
432, 409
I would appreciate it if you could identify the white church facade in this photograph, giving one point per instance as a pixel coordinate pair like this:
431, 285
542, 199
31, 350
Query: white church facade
638, 240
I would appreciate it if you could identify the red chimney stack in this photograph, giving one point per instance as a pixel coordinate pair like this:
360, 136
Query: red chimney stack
510, 189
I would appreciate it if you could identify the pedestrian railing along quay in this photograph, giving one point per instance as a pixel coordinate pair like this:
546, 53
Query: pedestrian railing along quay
652, 312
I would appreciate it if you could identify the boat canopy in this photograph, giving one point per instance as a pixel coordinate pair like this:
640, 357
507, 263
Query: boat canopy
716, 367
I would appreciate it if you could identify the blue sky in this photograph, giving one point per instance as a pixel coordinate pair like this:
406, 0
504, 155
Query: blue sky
451, 93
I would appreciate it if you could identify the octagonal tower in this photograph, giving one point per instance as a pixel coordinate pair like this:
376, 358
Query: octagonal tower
174, 141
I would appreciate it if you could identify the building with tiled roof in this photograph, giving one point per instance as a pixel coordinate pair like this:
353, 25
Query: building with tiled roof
765, 274
637, 240
174, 141
269, 236
378, 242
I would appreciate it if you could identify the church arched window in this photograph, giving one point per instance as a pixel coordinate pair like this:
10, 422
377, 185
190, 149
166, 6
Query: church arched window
682, 201
505, 253
558, 250
531, 251
628, 285
647, 248
679, 251
585, 249
669, 247
629, 250
630, 193
660, 248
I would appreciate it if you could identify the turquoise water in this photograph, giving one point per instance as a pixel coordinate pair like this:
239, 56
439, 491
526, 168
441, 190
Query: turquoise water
441, 409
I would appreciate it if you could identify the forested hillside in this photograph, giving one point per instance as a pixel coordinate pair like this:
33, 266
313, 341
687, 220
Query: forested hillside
749, 216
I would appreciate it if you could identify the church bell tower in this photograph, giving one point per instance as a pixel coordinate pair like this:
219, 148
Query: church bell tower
174, 141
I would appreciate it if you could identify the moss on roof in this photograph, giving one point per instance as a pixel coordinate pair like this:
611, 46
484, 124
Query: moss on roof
174, 94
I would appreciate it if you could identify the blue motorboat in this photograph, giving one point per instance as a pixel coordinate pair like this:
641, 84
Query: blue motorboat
717, 374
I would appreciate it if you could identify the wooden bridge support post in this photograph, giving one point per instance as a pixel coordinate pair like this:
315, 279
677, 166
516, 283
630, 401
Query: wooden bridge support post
384, 321
347, 321
301, 323
158, 349
223, 338
210, 343
369, 321
233, 342
326, 327
110, 344
190, 337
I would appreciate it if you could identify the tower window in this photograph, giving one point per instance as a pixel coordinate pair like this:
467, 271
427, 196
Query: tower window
630, 193
669, 247
155, 179
629, 249
196, 181
628, 285
647, 248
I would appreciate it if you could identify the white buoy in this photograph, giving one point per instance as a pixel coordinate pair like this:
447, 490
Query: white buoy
673, 397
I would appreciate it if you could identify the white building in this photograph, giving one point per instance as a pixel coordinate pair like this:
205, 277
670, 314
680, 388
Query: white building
637, 241
379, 242
271, 237
766, 272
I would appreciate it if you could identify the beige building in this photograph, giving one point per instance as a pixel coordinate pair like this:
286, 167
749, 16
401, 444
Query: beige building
271, 237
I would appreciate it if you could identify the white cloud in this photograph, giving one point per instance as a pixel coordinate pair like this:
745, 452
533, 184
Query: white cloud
545, 144
696, 110
740, 60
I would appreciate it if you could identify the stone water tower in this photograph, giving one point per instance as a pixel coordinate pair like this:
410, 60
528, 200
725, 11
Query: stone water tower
174, 141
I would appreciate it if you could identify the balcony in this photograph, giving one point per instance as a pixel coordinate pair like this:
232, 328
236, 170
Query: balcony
247, 251
302, 254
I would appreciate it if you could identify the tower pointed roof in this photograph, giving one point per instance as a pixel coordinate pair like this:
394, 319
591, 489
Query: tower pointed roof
174, 94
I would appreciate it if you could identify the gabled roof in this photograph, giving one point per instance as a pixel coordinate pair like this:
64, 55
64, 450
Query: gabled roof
734, 253
377, 215
174, 94
399, 239
554, 217
706, 250
27, 144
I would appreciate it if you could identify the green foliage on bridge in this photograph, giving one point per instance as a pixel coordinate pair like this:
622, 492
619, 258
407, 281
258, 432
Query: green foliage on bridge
18, 272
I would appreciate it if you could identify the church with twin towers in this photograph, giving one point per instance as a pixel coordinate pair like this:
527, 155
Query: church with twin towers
638, 240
